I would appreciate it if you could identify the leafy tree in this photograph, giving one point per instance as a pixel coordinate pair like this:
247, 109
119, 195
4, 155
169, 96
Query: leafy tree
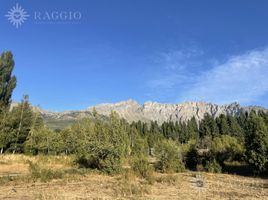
5, 131
103, 145
257, 143
40, 141
21, 122
7, 84
138, 145
67, 142
34, 138
7, 80
169, 156
226, 148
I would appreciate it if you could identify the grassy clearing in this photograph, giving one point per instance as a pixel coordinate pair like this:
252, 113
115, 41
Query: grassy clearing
56, 177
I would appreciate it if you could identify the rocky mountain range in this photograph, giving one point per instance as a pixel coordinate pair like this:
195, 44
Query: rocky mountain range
160, 112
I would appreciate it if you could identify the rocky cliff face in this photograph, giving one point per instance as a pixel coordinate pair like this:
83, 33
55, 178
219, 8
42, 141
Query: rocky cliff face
132, 111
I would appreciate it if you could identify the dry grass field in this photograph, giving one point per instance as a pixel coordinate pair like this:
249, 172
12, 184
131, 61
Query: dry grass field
63, 180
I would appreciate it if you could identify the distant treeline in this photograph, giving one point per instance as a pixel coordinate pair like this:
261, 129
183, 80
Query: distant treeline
106, 145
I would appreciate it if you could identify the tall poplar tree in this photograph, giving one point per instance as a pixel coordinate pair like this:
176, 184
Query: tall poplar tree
7, 80
7, 84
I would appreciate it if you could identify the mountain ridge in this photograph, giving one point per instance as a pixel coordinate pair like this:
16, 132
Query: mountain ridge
131, 110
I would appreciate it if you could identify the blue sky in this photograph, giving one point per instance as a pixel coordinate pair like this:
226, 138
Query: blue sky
159, 50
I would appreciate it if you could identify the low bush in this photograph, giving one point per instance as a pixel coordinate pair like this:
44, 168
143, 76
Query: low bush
213, 166
190, 155
43, 174
169, 157
142, 168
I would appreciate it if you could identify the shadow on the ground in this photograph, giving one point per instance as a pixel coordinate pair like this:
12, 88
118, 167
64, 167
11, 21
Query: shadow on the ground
242, 170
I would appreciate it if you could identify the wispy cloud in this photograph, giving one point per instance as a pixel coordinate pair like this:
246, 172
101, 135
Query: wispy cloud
179, 59
174, 68
242, 78
189, 76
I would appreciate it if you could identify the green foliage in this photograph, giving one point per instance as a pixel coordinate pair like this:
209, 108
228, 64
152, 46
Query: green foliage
223, 125
208, 127
43, 174
20, 123
140, 147
105, 144
102, 145
141, 167
226, 148
7, 80
41, 141
192, 128
213, 166
169, 156
257, 143
190, 154
235, 128
7, 85
5, 130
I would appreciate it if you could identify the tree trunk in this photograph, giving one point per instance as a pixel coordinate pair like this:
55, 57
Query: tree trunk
2, 149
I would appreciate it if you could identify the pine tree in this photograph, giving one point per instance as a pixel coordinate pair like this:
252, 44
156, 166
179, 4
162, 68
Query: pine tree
208, 127
223, 125
235, 128
183, 133
192, 127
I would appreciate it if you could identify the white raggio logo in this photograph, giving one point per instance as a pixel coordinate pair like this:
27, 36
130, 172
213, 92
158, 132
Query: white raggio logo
17, 15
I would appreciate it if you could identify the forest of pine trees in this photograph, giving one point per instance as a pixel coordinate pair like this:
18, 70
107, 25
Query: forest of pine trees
209, 144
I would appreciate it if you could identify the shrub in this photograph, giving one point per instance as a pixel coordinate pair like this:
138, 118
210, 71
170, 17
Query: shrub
190, 154
103, 158
169, 156
226, 148
140, 147
142, 168
43, 174
213, 166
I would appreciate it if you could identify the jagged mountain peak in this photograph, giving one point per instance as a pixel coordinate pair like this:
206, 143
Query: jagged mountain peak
131, 110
